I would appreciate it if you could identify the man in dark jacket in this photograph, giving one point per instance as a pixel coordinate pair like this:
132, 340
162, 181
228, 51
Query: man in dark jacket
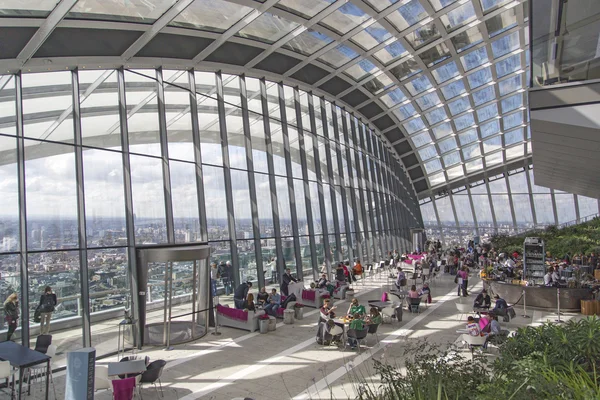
240, 294
226, 273
286, 279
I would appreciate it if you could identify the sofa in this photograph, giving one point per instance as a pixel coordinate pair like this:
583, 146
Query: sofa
240, 319
313, 298
340, 292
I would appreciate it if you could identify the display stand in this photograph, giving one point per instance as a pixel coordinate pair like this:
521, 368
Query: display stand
534, 260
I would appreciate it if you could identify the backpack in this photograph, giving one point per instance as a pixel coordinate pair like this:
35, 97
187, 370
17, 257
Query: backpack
48, 303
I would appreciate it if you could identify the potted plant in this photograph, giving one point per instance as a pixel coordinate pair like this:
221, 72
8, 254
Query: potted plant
263, 323
299, 311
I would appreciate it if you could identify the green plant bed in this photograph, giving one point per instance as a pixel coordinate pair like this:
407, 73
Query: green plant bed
544, 362
578, 239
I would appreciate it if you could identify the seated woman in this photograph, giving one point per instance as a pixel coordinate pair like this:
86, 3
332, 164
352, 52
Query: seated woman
482, 300
356, 309
249, 303
412, 294
262, 297
374, 317
358, 325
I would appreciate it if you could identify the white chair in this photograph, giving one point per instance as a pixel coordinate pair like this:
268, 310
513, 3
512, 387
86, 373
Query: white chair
474, 341
463, 308
41, 370
6, 372
102, 381
387, 314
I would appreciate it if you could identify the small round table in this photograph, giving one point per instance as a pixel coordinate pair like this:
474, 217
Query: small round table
272, 323
288, 317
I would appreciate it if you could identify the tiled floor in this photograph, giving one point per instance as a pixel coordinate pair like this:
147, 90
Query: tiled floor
288, 363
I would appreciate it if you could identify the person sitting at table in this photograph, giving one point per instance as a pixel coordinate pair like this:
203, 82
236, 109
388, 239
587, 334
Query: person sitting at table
473, 327
273, 303
357, 269
374, 317
349, 276
240, 294
327, 308
482, 300
262, 297
401, 279
425, 291
358, 325
356, 308
501, 306
249, 303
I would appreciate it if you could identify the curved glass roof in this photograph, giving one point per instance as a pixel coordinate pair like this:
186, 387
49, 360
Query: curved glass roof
443, 80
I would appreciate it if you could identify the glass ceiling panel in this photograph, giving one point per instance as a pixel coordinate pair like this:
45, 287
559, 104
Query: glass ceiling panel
467, 39
380, 5
433, 166
489, 128
442, 130
405, 70
423, 35
414, 125
421, 139
418, 85
27, 8
439, 4
427, 152
308, 42
390, 53
435, 116
480, 78
509, 85
361, 69
427, 101
371, 36
339, 56
378, 84
488, 5
435, 55
445, 72
459, 105
467, 137
146, 11
405, 112
452, 158
447, 144
394, 97
502, 22
458, 17
304, 8
210, 15
267, 28
437, 179
508, 65
484, 95
474, 58
453, 89
407, 15
345, 18
512, 103
506, 44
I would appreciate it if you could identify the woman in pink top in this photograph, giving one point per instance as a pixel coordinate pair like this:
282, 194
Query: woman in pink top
412, 293
463, 280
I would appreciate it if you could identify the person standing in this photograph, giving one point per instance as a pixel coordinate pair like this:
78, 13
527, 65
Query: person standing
11, 314
273, 265
241, 295
214, 275
463, 280
226, 275
47, 304
286, 280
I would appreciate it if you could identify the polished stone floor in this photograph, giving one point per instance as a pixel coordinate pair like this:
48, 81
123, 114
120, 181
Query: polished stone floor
288, 363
